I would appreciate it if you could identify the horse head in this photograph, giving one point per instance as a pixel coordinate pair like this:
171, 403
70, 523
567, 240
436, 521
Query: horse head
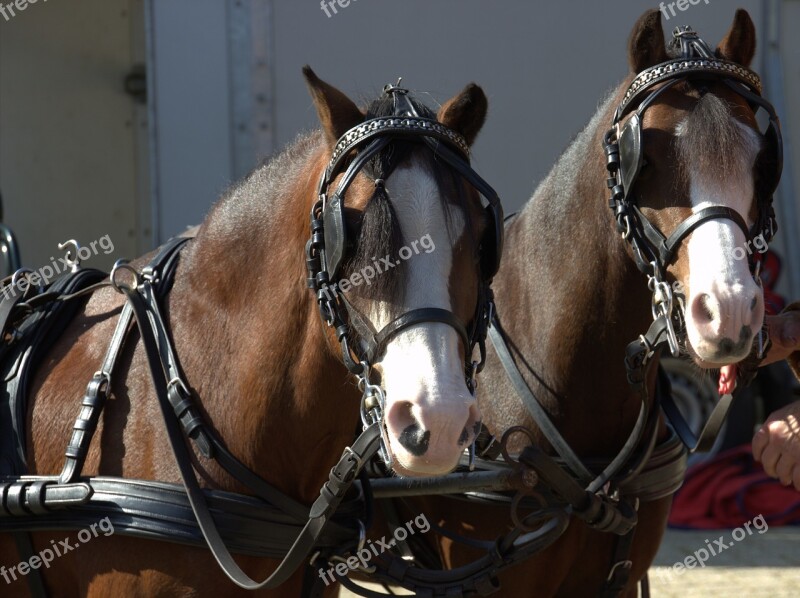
408, 253
696, 163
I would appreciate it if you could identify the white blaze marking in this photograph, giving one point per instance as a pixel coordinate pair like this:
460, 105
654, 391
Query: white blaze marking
713, 270
422, 361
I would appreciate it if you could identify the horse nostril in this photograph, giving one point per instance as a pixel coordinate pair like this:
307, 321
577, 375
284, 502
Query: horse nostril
702, 308
706, 308
415, 440
726, 346
745, 333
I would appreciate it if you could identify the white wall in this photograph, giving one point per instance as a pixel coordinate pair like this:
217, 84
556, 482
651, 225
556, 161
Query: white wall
68, 131
544, 65
70, 159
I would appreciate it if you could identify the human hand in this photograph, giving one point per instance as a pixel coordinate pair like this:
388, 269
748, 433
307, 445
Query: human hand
777, 445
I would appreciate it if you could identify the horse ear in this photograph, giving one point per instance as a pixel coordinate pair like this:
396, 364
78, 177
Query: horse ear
466, 112
646, 46
739, 44
337, 113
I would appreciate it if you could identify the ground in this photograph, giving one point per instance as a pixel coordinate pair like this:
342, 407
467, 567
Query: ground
760, 565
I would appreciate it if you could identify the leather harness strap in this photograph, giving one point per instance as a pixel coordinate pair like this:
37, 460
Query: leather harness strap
37, 495
535, 409
146, 311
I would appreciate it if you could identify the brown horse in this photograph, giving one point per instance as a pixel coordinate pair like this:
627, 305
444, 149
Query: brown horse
268, 376
570, 299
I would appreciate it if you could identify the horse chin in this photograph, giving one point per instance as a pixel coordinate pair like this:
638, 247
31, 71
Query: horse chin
728, 370
421, 468
714, 354
711, 363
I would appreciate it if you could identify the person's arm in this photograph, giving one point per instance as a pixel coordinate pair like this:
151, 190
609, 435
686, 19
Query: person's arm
777, 443
784, 331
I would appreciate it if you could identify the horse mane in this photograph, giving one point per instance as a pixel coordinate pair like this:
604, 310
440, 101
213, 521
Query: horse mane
249, 211
713, 142
380, 234
560, 193
263, 192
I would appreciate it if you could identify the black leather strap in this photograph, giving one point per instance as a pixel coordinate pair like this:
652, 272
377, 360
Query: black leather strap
695, 220
620, 568
412, 318
35, 578
341, 478
537, 412
705, 440
93, 402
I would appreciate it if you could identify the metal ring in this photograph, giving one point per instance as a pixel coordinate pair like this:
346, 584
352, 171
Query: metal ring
362, 535
540, 514
18, 274
123, 264
73, 262
104, 376
507, 436
176, 381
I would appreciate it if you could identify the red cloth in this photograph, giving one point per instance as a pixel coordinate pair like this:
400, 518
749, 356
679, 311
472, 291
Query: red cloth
770, 273
731, 489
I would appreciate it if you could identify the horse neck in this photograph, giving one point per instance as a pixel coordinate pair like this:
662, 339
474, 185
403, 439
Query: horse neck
249, 335
581, 295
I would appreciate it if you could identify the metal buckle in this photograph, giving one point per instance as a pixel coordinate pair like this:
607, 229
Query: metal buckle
150, 274
104, 377
176, 381
662, 305
626, 234
373, 412
123, 264
347, 450
18, 274
623, 564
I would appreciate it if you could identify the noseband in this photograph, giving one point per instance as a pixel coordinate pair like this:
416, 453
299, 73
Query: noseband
653, 252
327, 248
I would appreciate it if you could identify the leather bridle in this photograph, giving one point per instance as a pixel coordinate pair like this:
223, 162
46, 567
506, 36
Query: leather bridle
653, 251
326, 250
